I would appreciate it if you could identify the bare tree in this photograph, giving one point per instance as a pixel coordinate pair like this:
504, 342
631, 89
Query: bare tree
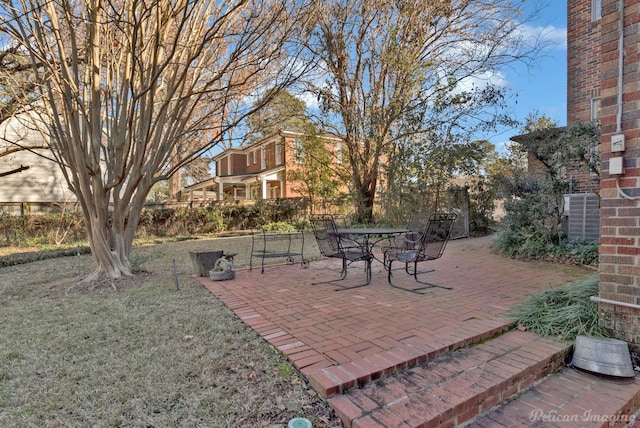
129, 81
391, 70
17, 94
17, 85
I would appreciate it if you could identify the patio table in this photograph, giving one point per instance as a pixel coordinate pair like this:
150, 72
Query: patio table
368, 237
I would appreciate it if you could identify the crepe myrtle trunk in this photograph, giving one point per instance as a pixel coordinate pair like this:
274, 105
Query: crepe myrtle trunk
111, 228
107, 246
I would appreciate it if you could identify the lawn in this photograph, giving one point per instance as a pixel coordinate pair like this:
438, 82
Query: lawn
148, 351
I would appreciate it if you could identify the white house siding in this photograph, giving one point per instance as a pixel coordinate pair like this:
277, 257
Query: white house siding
43, 182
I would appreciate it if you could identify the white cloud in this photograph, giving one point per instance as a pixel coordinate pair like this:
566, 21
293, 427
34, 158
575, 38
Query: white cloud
309, 99
482, 80
551, 36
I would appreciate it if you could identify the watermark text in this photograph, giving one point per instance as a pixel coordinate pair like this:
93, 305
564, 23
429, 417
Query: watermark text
586, 416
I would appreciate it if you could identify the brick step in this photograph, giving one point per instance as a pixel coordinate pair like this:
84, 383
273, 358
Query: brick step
455, 388
331, 380
570, 398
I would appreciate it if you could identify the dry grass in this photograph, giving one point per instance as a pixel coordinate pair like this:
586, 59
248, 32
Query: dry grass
139, 352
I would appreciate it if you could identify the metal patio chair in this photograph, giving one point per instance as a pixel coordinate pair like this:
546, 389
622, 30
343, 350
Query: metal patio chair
410, 239
428, 245
333, 245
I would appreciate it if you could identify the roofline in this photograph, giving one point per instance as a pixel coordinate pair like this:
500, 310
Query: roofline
281, 133
539, 133
199, 183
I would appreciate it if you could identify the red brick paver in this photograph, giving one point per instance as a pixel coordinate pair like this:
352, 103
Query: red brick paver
342, 340
571, 398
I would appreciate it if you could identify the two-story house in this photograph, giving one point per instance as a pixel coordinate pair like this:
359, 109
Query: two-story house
604, 80
259, 170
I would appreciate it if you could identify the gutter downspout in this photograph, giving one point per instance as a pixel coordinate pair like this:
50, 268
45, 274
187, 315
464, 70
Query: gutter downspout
613, 302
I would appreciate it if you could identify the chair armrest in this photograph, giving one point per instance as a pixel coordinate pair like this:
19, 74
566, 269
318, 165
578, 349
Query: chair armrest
406, 241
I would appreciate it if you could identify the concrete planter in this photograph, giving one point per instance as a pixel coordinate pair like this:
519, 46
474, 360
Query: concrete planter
203, 261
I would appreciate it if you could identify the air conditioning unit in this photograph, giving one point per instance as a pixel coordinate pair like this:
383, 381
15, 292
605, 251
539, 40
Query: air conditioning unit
582, 212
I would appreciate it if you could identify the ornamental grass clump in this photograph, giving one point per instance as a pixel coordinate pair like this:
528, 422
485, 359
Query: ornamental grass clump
563, 312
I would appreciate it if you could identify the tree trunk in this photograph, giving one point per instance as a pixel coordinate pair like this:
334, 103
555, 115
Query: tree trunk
112, 228
107, 247
130, 96
366, 194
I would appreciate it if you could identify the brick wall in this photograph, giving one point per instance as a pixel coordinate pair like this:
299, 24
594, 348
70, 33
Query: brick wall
583, 59
619, 216
586, 181
583, 75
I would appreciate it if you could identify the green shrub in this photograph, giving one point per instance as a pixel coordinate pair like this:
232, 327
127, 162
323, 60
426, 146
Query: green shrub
580, 253
41, 229
279, 226
540, 244
586, 254
57, 229
531, 228
530, 244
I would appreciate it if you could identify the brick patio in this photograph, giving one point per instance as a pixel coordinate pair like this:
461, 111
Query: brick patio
348, 343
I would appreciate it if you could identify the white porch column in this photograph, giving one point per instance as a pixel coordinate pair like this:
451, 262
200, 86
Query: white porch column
263, 187
220, 191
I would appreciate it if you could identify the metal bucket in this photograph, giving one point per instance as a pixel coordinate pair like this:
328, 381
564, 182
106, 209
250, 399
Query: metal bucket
605, 356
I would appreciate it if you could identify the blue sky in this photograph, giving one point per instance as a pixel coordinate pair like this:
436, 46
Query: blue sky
542, 87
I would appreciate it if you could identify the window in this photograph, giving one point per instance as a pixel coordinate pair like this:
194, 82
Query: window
596, 10
278, 153
595, 109
263, 158
255, 160
248, 159
299, 152
339, 153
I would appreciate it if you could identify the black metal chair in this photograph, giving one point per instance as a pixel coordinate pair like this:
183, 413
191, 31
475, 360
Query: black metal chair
341, 220
429, 245
333, 245
410, 239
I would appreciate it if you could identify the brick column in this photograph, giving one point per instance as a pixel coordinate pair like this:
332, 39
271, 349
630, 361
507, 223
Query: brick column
619, 215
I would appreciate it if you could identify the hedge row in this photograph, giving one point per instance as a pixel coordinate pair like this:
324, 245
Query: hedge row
68, 228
